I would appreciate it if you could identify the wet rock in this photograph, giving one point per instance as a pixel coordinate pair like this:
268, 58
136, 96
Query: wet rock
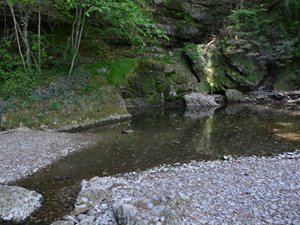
220, 99
233, 95
17, 203
194, 100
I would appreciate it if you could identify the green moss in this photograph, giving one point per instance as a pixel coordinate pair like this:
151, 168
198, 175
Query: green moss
252, 73
176, 5
72, 108
288, 78
116, 71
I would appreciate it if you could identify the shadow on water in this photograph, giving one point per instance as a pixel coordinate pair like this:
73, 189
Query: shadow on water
163, 137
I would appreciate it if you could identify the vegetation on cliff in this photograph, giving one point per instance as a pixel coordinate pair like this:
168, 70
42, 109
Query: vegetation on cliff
258, 48
63, 62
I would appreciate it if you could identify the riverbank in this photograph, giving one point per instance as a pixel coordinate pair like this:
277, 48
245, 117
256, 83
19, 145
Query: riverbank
248, 190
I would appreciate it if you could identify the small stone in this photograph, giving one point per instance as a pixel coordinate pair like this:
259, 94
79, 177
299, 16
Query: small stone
274, 207
72, 219
296, 222
104, 206
183, 196
62, 222
84, 200
203, 221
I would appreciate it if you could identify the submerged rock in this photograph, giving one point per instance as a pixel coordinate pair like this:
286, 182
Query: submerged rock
194, 100
17, 203
197, 113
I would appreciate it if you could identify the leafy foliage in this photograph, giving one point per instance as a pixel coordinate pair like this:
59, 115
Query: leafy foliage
13, 81
253, 33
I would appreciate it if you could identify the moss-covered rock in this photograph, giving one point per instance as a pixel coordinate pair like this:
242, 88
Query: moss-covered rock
218, 72
157, 82
288, 78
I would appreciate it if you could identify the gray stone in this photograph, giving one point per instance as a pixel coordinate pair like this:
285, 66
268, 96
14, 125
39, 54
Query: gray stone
169, 68
92, 193
17, 203
233, 95
194, 100
62, 222
127, 214
89, 220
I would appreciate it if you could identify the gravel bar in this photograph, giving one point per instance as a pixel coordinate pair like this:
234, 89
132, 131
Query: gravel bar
23, 152
250, 190
241, 191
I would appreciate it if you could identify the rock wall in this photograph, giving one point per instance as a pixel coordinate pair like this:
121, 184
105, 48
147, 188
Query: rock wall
191, 20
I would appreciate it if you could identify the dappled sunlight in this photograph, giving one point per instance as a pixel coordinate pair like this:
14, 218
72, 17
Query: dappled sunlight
289, 136
285, 124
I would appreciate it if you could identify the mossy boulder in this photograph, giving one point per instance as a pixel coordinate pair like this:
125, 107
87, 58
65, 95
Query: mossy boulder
217, 72
158, 83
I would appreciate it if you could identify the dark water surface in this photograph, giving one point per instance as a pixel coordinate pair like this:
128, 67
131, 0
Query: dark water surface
164, 137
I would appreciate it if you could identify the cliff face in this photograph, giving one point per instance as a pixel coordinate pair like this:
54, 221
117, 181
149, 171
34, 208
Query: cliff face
229, 46
191, 20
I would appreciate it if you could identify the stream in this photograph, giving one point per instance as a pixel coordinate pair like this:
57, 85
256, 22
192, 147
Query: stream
163, 136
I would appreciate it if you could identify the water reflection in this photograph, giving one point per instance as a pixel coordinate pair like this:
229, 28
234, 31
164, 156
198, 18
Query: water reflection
164, 137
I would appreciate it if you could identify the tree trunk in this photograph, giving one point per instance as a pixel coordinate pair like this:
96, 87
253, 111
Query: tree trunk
77, 39
25, 21
241, 4
73, 28
17, 34
39, 42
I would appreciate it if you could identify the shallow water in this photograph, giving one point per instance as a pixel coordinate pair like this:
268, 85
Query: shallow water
164, 137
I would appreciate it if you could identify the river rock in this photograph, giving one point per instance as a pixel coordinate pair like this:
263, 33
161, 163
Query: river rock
92, 193
62, 222
17, 203
194, 100
233, 95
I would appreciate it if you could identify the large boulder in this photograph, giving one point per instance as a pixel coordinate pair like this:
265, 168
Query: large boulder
92, 193
17, 203
194, 100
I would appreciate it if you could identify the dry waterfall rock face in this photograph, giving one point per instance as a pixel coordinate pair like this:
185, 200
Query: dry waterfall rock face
17, 203
194, 100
